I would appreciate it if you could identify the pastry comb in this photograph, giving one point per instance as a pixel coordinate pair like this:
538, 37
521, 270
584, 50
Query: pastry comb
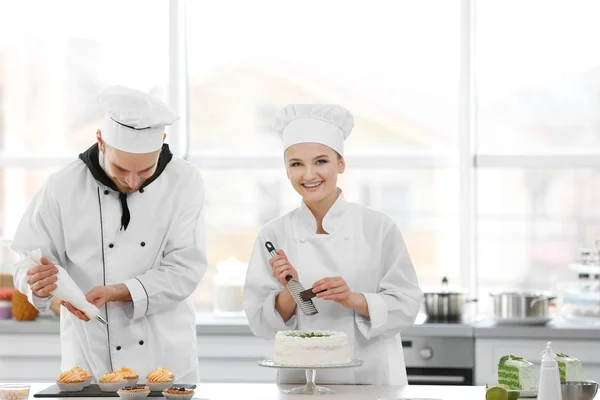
296, 289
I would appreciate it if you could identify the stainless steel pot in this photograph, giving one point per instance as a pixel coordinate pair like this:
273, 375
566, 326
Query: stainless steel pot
445, 304
521, 305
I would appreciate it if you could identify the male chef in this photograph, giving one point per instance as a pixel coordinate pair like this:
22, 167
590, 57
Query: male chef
125, 222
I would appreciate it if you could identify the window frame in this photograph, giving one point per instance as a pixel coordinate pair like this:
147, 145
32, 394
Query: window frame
464, 157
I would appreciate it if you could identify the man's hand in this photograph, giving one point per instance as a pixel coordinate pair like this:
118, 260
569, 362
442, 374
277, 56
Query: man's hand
42, 278
99, 296
79, 314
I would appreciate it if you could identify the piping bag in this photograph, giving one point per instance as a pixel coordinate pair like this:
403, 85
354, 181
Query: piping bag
68, 291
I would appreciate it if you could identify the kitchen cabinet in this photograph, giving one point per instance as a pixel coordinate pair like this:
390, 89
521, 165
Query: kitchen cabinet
228, 352
489, 351
29, 357
221, 358
233, 358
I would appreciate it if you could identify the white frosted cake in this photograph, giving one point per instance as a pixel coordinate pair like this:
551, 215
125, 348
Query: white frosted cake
311, 348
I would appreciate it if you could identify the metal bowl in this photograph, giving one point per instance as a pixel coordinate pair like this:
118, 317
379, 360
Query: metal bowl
579, 390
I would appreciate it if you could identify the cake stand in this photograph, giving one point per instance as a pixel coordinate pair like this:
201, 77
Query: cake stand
311, 373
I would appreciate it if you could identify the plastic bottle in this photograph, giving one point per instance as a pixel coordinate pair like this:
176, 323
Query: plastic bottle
549, 384
229, 288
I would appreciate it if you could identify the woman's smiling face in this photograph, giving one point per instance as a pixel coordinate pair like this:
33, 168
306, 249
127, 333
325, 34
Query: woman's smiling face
313, 169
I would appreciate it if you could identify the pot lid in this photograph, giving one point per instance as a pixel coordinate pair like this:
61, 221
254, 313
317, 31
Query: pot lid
445, 288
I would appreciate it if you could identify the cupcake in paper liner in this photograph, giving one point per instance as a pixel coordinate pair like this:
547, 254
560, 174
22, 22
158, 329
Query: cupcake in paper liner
130, 376
70, 381
160, 379
112, 382
70, 387
134, 392
84, 374
178, 393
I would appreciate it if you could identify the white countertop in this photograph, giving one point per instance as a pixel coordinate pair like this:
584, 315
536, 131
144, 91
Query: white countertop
271, 391
211, 324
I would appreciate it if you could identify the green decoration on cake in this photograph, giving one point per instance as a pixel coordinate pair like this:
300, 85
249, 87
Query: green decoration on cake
570, 368
517, 373
309, 334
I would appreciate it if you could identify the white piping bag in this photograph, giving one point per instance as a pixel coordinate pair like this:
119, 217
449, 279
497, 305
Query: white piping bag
67, 290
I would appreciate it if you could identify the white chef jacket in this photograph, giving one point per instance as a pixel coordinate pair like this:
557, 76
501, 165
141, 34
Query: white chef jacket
161, 257
366, 248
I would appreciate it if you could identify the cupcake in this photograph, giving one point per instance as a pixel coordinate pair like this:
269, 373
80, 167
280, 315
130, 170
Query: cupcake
178, 393
84, 374
130, 375
112, 382
70, 381
134, 392
160, 379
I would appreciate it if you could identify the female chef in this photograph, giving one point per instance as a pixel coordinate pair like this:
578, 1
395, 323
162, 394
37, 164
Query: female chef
354, 257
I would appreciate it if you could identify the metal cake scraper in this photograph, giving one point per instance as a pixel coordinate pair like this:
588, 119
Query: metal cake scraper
295, 288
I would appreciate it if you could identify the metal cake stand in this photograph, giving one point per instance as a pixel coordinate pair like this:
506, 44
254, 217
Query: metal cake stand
311, 373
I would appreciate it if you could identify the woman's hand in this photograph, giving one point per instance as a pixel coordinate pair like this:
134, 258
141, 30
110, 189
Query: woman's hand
281, 268
284, 302
336, 289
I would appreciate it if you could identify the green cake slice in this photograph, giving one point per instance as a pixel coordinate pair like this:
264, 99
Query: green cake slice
517, 373
570, 368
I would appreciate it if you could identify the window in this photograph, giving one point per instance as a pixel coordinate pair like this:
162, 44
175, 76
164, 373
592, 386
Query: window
19, 186
399, 67
52, 66
538, 141
537, 85
404, 101
376, 68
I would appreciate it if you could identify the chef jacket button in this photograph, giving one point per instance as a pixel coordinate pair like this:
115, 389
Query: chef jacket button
141, 342
302, 240
106, 191
142, 190
118, 347
143, 244
111, 245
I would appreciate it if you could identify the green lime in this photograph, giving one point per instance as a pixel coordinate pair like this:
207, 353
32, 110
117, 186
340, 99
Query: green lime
496, 393
513, 394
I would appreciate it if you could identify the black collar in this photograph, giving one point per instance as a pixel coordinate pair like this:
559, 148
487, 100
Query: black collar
90, 158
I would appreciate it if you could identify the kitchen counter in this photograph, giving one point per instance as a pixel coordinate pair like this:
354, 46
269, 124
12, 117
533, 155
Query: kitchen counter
558, 328
206, 324
259, 391
210, 324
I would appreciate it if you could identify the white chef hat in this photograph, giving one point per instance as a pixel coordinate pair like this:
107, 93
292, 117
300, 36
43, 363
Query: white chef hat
328, 124
134, 121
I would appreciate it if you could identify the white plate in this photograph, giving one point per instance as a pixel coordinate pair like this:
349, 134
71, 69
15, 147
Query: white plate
272, 364
523, 321
525, 393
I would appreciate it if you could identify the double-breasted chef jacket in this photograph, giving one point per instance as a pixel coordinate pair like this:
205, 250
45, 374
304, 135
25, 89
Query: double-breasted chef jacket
365, 247
151, 240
